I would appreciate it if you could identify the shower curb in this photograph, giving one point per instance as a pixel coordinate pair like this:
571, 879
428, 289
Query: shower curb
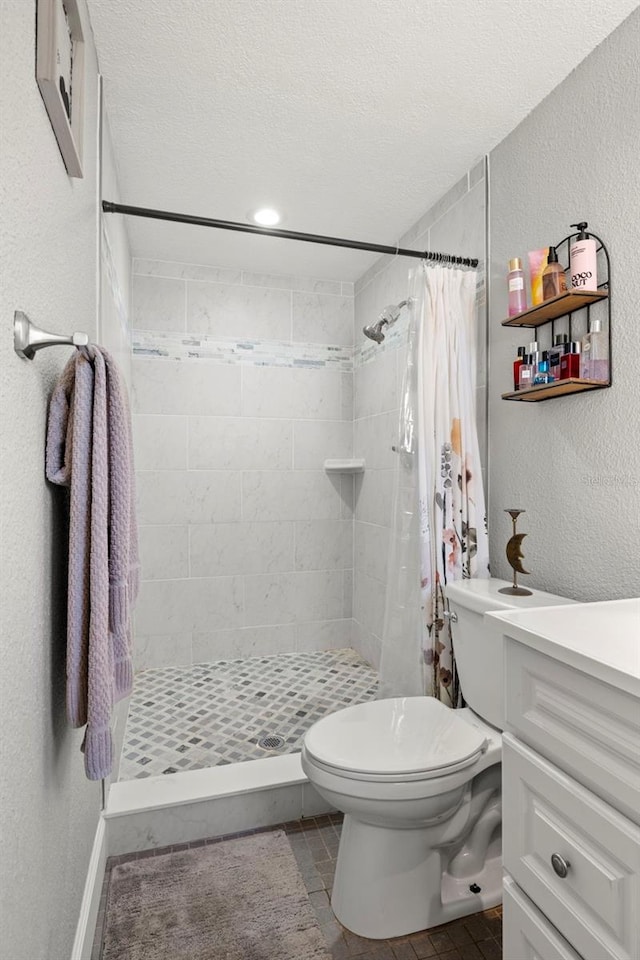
183, 807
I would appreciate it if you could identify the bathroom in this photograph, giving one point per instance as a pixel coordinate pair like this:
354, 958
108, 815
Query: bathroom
251, 552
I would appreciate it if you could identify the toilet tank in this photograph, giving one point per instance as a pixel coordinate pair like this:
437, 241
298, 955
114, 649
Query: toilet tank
479, 649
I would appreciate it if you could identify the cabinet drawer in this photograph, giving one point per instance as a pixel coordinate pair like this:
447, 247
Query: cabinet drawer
589, 728
545, 812
527, 934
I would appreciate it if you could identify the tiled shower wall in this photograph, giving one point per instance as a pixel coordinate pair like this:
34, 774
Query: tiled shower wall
456, 224
242, 387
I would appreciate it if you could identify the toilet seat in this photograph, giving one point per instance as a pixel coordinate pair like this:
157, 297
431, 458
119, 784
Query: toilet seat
398, 739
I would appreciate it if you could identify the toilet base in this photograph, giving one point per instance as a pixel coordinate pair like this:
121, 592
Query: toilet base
389, 882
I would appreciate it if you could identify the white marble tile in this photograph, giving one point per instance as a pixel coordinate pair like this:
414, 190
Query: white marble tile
371, 550
347, 594
180, 496
374, 438
185, 271
374, 496
368, 603
159, 442
227, 780
240, 443
287, 392
321, 318
324, 544
375, 385
197, 387
194, 606
347, 491
367, 644
223, 549
296, 495
288, 282
347, 387
158, 304
161, 650
164, 552
293, 597
245, 642
233, 310
214, 817
315, 441
323, 635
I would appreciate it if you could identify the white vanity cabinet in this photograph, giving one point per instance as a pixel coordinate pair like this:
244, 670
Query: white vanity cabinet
571, 784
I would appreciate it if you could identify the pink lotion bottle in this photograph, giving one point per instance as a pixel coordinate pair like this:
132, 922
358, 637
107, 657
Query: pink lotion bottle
515, 281
583, 258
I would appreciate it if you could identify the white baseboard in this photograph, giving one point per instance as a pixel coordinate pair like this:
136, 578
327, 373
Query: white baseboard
85, 930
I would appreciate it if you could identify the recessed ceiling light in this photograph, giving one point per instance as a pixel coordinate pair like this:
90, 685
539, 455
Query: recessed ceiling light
266, 217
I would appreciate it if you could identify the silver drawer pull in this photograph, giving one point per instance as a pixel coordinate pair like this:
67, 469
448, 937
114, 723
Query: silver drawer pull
560, 865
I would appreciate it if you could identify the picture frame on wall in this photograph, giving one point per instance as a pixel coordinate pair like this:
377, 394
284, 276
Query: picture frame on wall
60, 75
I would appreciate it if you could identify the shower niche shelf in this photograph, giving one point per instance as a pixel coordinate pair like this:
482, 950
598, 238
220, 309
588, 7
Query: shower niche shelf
344, 466
565, 305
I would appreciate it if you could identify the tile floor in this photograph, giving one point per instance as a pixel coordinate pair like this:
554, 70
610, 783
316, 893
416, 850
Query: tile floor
187, 718
315, 846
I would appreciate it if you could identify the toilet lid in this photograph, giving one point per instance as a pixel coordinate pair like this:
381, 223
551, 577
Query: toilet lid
401, 735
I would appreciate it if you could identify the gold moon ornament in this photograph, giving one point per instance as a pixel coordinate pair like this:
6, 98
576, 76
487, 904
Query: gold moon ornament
515, 557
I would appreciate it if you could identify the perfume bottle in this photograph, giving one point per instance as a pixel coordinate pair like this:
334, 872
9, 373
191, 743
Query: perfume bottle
515, 281
516, 367
560, 347
554, 281
595, 354
570, 362
543, 374
525, 374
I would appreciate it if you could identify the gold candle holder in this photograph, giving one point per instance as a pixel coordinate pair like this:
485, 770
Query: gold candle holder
515, 557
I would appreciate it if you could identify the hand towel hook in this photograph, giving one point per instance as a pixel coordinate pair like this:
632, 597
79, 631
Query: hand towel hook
27, 338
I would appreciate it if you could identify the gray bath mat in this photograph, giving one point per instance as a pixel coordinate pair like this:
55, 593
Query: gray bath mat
239, 899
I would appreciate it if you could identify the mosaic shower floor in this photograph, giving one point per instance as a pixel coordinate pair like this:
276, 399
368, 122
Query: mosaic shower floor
187, 718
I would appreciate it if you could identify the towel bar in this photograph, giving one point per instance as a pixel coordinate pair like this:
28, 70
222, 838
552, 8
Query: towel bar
27, 338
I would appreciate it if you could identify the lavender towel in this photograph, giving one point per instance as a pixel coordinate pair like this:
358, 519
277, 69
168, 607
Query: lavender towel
89, 450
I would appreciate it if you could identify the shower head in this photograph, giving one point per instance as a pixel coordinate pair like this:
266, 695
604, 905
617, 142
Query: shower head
386, 319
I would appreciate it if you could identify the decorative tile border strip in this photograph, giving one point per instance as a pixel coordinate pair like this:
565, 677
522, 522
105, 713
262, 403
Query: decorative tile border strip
264, 353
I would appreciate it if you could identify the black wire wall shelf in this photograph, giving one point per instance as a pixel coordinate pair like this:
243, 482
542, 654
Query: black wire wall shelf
567, 304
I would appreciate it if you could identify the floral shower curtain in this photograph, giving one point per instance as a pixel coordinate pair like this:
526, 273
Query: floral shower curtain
452, 519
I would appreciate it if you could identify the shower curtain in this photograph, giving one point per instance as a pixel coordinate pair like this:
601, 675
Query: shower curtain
439, 529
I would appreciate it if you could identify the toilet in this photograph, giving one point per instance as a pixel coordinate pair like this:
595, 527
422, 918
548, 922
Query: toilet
419, 786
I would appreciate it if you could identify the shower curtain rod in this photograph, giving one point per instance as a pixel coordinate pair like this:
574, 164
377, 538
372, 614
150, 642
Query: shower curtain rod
109, 207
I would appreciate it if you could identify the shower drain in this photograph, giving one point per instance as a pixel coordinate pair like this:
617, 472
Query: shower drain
271, 742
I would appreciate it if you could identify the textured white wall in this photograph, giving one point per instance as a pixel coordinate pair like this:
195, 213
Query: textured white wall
572, 463
456, 224
48, 810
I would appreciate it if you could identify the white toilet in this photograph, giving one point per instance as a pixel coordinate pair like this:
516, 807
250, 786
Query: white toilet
419, 785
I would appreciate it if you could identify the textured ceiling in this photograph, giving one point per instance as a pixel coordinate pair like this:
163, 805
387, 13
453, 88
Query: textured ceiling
350, 116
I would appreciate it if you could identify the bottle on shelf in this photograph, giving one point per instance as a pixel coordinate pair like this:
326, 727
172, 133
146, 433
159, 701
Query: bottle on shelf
554, 281
560, 347
583, 260
570, 362
525, 373
516, 367
515, 283
543, 374
595, 354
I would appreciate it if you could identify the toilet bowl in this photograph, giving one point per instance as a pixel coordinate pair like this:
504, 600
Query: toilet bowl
401, 770
419, 786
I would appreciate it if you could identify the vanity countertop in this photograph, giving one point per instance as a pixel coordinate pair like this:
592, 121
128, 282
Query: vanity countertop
601, 639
